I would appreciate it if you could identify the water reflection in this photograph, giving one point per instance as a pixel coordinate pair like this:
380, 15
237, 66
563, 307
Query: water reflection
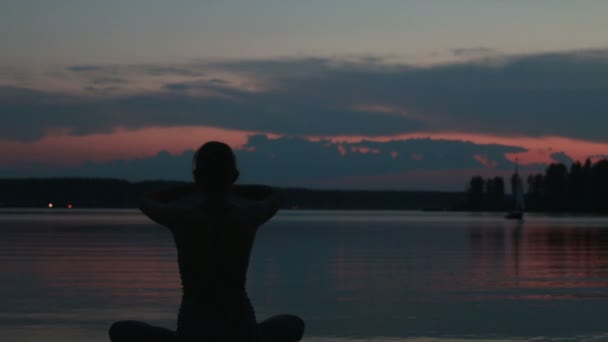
355, 276
547, 261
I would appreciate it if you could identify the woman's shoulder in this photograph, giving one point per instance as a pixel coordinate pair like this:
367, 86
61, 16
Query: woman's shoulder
257, 211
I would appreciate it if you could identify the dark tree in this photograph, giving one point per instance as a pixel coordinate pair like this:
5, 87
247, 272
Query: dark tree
582, 188
556, 187
576, 188
495, 193
588, 185
599, 180
536, 189
475, 193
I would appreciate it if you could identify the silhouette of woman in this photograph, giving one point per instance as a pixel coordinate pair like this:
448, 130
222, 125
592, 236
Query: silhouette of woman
213, 223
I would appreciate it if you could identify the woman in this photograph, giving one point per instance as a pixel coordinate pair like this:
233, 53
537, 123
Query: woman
213, 223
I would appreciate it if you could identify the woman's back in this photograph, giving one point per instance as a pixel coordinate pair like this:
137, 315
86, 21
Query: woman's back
214, 244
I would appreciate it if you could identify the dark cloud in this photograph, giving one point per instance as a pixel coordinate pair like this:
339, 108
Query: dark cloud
290, 161
475, 52
547, 94
85, 68
102, 90
31, 118
109, 80
179, 70
562, 157
562, 94
192, 70
177, 86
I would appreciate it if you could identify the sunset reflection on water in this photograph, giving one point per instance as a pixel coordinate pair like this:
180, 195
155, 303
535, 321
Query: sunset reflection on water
354, 276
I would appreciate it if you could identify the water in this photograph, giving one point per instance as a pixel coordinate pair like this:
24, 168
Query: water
352, 275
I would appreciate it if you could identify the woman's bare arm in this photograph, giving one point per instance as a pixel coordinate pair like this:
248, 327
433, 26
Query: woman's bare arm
158, 207
267, 200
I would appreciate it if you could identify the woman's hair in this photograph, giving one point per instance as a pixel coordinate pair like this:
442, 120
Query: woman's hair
214, 168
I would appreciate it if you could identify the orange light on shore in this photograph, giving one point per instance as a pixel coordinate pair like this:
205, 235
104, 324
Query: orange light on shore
70, 206
50, 205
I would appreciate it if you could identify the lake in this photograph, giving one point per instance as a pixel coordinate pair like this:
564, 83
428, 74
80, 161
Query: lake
66, 275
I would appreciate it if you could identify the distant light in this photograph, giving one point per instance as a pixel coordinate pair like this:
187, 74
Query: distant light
50, 205
69, 206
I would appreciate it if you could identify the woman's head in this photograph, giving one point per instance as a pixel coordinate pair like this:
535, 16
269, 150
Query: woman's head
214, 168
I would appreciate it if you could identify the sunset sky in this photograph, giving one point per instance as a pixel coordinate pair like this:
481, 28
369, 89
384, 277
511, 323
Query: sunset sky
385, 94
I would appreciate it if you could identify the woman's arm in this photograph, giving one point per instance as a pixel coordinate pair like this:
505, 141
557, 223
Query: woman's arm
158, 207
266, 200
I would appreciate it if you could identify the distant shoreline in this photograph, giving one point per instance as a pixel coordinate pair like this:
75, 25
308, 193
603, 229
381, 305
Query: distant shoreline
104, 193
99, 193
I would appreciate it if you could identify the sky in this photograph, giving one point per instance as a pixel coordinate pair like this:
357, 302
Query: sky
327, 94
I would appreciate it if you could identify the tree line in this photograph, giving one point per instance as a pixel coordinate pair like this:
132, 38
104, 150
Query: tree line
582, 188
116, 193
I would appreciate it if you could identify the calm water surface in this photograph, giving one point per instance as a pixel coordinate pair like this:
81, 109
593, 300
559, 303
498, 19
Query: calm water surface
353, 276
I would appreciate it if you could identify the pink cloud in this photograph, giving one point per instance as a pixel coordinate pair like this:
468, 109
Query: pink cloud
539, 148
123, 144
60, 149
485, 161
364, 150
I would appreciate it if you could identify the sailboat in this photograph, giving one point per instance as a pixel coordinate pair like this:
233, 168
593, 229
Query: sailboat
517, 188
